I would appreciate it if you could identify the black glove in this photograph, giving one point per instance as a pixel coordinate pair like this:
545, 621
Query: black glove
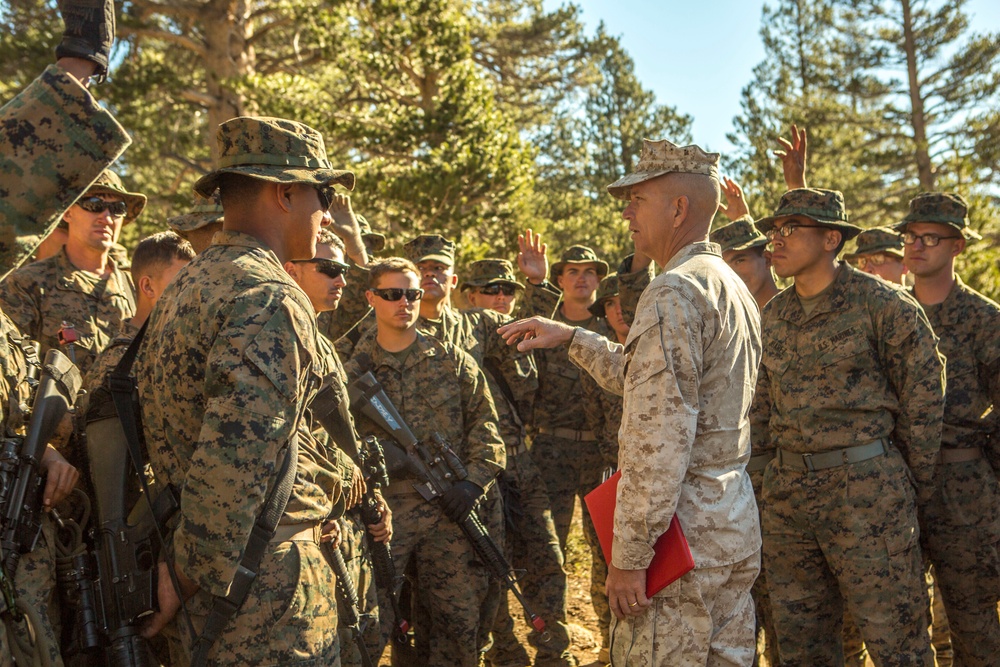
460, 500
89, 33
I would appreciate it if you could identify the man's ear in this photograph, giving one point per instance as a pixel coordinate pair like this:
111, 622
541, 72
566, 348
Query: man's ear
145, 287
959, 247
832, 238
293, 269
282, 194
370, 298
682, 207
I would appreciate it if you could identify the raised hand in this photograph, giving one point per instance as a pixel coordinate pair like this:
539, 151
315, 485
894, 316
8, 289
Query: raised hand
736, 204
793, 156
531, 257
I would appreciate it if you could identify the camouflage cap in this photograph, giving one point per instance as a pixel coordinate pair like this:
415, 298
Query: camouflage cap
489, 271
203, 213
876, 240
947, 208
740, 234
823, 206
607, 290
579, 254
111, 183
665, 157
430, 248
374, 242
272, 149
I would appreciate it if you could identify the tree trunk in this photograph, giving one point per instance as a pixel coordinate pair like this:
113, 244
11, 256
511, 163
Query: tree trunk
228, 57
925, 171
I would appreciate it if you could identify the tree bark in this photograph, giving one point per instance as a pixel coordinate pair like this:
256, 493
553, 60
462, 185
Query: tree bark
918, 121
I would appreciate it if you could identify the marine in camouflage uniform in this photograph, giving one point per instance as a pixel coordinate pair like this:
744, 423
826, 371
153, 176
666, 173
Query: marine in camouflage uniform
200, 223
353, 308
242, 336
856, 397
438, 388
960, 523
879, 251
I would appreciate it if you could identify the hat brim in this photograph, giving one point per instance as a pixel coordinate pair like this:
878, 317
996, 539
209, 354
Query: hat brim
755, 243
619, 189
848, 230
135, 202
189, 222
602, 267
209, 183
967, 232
376, 240
434, 257
492, 281
889, 250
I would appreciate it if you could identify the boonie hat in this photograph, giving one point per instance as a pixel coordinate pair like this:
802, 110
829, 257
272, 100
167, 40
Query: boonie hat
489, 271
430, 248
947, 208
875, 240
823, 206
608, 289
110, 182
204, 212
579, 254
740, 234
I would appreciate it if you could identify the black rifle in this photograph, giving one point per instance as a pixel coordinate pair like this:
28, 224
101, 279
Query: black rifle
348, 594
436, 467
21, 482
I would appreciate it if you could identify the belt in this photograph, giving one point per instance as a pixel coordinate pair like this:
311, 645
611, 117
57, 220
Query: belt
759, 462
960, 455
834, 459
297, 532
568, 434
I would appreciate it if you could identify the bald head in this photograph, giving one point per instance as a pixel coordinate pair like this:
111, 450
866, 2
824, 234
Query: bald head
702, 192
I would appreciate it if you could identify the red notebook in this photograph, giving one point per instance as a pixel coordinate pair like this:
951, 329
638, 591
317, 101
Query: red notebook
672, 555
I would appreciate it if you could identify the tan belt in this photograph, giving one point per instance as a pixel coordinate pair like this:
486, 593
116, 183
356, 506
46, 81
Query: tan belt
297, 532
569, 434
834, 459
759, 462
960, 455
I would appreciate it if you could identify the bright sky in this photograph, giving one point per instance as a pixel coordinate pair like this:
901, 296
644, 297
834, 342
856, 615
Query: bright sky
698, 56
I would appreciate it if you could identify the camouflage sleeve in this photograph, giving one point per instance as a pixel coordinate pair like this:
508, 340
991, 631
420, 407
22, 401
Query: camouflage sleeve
603, 359
631, 286
603, 411
909, 354
512, 368
541, 300
318, 489
353, 306
989, 371
55, 140
760, 414
19, 300
253, 404
485, 455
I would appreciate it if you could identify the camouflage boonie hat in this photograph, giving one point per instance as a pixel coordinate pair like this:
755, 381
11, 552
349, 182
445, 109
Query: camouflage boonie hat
665, 157
947, 208
740, 234
111, 183
579, 254
878, 239
607, 290
203, 213
374, 242
430, 248
823, 206
272, 149
489, 271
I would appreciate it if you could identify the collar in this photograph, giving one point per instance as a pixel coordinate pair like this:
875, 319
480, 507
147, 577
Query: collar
950, 310
690, 250
228, 237
425, 347
835, 297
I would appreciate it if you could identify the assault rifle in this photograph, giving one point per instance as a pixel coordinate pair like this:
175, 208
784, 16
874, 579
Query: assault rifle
436, 467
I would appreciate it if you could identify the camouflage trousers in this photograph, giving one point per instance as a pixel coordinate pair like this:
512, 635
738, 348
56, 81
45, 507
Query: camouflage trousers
705, 618
571, 470
35, 586
533, 547
845, 535
354, 547
766, 639
963, 542
289, 617
449, 583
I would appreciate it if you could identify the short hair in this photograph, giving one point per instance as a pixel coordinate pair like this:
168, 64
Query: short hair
154, 253
238, 189
326, 237
381, 267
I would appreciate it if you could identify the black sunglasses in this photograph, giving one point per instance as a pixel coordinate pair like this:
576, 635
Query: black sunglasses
325, 193
98, 205
328, 267
503, 288
397, 293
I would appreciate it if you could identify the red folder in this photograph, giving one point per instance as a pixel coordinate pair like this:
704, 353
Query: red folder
671, 553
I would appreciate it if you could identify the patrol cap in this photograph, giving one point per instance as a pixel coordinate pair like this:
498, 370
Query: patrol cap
740, 234
430, 248
823, 206
111, 183
579, 254
665, 157
948, 208
203, 213
608, 289
272, 149
490, 271
374, 241
875, 240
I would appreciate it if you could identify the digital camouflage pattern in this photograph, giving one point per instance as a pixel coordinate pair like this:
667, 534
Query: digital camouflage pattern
111, 183
578, 254
42, 295
961, 525
686, 372
430, 248
878, 239
55, 140
824, 206
490, 271
243, 335
440, 389
203, 212
948, 208
272, 149
606, 290
862, 367
374, 241
740, 234
665, 157
631, 285
104, 363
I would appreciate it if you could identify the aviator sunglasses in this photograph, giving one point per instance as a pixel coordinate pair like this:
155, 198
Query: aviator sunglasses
397, 293
98, 205
328, 267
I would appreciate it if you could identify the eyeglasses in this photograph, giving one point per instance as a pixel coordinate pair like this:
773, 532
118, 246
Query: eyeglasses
787, 230
397, 293
929, 240
328, 267
503, 288
325, 193
875, 260
98, 205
